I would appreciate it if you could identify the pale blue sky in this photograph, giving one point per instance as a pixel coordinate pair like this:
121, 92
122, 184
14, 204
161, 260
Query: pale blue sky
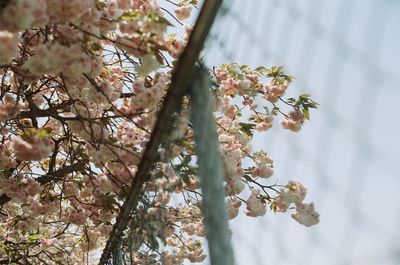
345, 53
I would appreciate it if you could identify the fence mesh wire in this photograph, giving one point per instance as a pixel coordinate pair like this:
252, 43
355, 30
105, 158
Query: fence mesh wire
345, 53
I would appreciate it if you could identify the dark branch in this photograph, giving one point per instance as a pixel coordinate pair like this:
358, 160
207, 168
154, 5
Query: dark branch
180, 80
56, 175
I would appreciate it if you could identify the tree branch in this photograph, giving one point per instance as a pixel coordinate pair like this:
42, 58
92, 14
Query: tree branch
56, 175
181, 77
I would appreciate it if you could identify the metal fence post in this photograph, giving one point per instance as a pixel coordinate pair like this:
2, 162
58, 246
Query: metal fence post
210, 171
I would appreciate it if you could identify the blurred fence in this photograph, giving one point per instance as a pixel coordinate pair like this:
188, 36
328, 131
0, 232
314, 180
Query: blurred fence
346, 54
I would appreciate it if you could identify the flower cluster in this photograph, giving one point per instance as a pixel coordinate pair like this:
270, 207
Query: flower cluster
81, 84
33, 145
295, 193
9, 46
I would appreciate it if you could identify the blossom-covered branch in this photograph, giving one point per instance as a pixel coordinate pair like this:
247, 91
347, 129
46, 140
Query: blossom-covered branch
81, 84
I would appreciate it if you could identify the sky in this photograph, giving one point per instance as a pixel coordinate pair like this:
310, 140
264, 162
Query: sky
345, 53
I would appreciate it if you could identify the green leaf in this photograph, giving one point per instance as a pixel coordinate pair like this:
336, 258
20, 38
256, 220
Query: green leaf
34, 237
306, 113
112, 140
244, 67
187, 159
32, 132
100, 5
291, 100
261, 68
279, 69
288, 78
154, 243
185, 179
313, 104
248, 177
159, 19
305, 96
247, 127
130, 15
122, 195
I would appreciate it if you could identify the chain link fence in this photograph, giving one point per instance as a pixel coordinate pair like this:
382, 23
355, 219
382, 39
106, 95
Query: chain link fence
345, 53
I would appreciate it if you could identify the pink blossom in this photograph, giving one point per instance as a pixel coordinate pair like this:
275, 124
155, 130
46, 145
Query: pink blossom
9, 108
262, 171
234, 186
46, 243
291, 125
32, 187
183, 12
70, 189
294, 121
77, 217
124, 4
221, 75
306, 214
61, 11
233, 206
36, 148
8, 47
23, 14
6, 160
105, 184
96, 82
254, 206
274, 92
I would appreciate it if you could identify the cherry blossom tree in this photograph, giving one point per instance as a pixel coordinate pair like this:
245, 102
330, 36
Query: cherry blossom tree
81, 84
